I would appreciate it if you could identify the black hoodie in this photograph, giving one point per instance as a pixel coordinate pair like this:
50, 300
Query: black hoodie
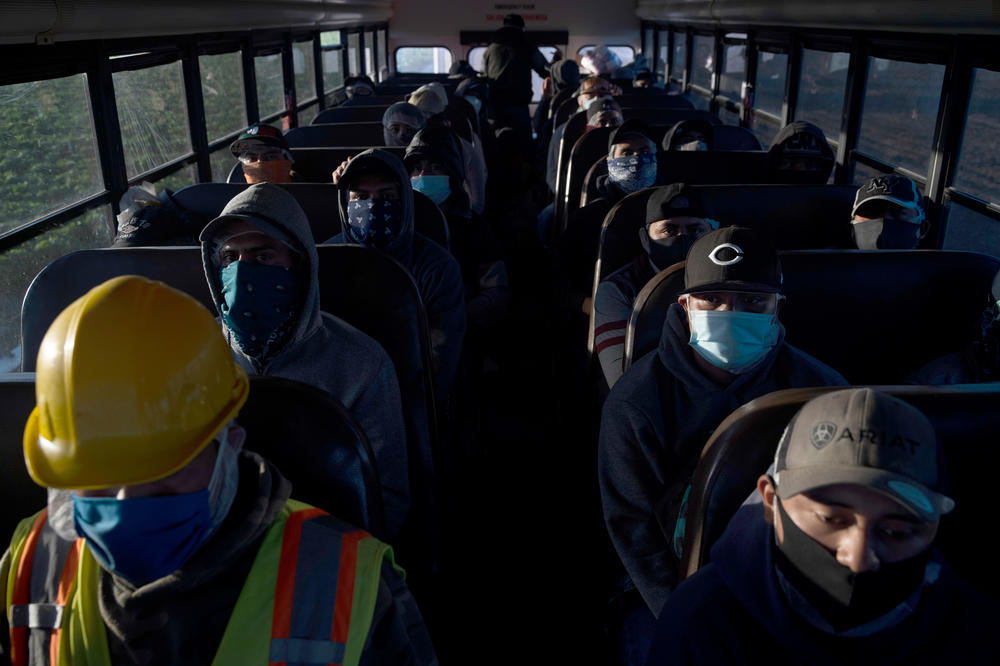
436, 273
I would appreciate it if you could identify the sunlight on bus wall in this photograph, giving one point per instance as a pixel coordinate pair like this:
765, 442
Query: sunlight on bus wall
20, 264
822, 85
979, 162
305, 71
423, 60
270, 84
222, 90
50, 158
900, 110
152, 111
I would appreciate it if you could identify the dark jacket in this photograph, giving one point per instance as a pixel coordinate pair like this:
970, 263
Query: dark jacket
508, 63
437, 274
736, 611
613, 303
970, 366
655, 422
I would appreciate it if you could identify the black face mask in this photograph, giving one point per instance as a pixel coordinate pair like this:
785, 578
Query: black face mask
665, 252
883, 234
845, 599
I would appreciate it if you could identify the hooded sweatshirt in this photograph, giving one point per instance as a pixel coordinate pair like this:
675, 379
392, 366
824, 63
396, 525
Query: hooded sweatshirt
323, 350
472, 242
437, 274
737, 611
180, 618
655, 422
805, 142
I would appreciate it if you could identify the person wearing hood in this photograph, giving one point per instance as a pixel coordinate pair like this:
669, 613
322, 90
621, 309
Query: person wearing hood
722, 345
689, 135
435, 165
263, 272
564, 75
376, 210
461, 70
675, 219
507, 65
264, 154
400, 122
800, 154
629, 147
888, 214
836, 563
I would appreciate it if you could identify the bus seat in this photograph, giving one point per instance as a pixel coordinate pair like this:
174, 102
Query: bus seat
352, 114
875, 316
729, 137
318, 446
794, 216
22, 496
429, 220
585, 151
589, 191
965, 418
336, 134
71, 276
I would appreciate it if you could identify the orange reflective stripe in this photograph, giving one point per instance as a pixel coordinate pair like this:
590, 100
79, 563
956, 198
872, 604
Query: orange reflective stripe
345, 585
65, 585
281, 621
22, 591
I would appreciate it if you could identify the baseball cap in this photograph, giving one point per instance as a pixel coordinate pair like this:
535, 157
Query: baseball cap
674, 200
256, 135
894, 188
863, 437
732, 259
630, 126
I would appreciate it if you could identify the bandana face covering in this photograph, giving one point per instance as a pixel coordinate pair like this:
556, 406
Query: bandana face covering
633, 172
665, 252
375, 222
845, 599
259, 305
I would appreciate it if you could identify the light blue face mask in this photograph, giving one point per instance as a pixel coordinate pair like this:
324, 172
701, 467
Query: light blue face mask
732, 341
436, 187
633, 172
476, 103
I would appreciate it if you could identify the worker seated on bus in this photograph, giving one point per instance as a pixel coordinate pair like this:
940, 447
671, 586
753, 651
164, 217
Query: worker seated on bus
263, 272
605, 112
163, 541
675, 219
376, 210
358, 89
645, 81
564, 75
722, 345
838, 563
979, 361
591, 89
264, 154
694, 134
800, 154
400, 122
430, 98
888, 214
601, 61
434, 162
461, 70
631, 167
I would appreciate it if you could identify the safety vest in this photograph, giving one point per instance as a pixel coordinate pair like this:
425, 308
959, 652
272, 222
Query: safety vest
324, 569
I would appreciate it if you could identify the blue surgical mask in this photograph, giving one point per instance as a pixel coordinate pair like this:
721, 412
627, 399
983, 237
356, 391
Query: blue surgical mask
143, 539
732, 341
436, 187
589, 102
259, 304
375, 222
633, 172
476, 103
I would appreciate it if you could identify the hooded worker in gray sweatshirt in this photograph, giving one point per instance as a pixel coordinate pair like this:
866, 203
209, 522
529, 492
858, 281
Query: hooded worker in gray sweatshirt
724, 347
263, 271
381, 216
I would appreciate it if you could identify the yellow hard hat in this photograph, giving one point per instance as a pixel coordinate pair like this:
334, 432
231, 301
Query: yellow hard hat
133, 380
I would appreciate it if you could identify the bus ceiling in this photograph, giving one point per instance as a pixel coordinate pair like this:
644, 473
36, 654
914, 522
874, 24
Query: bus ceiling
962, 16
72, 20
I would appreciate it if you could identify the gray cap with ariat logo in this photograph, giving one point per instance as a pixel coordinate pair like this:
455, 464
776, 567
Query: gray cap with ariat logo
863, 437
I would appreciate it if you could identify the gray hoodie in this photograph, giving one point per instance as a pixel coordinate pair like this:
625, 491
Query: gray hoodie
323, 350
437, 274
655, 422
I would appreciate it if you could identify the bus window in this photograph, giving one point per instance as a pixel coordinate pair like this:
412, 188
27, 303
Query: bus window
475, 58
423, 59
305, 72
333, 76
307, 114
661, 56
966, 229
222, 91
383, 61
822, 85
702, 61
370, 67
152, 111
353, 46
20, 264
270, 84
222, 162
536, 81
678, 63
733, 71
863, 172
179, 179
900, 110
769, 94
978, 170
